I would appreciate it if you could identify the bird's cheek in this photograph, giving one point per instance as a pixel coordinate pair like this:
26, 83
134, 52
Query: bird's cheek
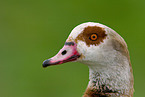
66, 54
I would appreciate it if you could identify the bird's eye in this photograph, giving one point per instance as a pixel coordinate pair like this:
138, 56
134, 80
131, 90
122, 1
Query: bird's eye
93, 37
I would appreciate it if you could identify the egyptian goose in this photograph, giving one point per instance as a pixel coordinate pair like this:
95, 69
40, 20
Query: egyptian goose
105, 53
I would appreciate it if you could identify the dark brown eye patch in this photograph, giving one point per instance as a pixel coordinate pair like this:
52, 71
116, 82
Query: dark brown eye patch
92, 35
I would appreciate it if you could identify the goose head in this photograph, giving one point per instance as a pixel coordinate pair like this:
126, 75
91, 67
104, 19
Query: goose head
106, 54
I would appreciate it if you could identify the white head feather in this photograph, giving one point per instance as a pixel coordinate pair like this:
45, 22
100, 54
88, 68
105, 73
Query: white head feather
105, 61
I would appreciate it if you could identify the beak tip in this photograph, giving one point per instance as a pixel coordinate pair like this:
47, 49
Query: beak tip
44, 66
46, 63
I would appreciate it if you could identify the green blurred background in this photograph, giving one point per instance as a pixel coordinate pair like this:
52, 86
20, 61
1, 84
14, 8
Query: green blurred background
34, 30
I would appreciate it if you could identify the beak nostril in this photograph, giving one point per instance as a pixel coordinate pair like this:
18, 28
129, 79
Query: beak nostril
64, 52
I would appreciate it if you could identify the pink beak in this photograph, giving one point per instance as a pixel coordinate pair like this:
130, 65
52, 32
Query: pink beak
66, 54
